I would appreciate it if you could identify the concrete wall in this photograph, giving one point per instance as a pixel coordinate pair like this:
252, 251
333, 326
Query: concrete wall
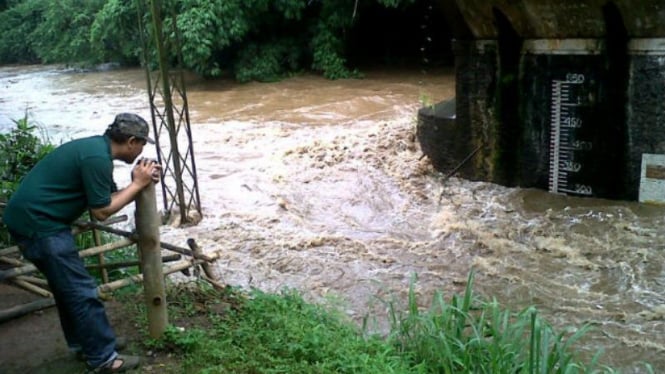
508, 53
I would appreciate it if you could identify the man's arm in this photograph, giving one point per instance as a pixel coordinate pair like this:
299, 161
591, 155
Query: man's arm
144, 173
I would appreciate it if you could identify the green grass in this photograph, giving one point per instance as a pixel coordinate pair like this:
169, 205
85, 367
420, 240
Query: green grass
273, 333
234, 331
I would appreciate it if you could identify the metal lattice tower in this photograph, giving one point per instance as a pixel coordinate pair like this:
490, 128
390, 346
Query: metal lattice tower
170, 114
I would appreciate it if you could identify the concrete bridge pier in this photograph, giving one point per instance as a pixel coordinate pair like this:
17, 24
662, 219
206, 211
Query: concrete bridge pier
568, 134
558, 95
475, 88
645, 107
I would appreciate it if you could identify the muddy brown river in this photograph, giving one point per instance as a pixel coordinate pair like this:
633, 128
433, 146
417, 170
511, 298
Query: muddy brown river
319, 185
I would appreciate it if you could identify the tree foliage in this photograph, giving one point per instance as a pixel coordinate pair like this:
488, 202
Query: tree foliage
252, 39
64, 33
114, 33
17, 23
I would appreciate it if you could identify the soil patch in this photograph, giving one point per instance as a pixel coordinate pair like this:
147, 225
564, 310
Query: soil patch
34, 343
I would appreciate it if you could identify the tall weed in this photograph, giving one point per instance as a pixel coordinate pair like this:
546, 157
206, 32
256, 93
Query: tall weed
469, 335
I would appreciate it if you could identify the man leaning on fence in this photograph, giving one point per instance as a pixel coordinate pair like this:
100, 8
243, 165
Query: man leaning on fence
75, 177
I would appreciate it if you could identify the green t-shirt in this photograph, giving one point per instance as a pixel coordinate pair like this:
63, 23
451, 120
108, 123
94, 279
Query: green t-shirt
75, 176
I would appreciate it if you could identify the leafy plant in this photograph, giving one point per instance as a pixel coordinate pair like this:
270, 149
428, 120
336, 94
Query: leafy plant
20, 150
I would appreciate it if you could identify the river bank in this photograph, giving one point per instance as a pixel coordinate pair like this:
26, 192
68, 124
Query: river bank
320, 186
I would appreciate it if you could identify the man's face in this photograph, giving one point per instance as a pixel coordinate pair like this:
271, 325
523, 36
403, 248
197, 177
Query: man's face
134, 149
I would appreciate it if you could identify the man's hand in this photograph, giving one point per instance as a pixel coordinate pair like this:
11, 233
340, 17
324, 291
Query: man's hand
146, 171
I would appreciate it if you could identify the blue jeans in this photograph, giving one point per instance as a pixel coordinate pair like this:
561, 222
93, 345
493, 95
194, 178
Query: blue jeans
82, 315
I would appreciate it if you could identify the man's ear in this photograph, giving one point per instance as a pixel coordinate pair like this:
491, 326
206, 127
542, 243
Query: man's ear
133, 140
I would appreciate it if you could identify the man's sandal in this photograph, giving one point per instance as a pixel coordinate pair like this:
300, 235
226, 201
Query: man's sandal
120, 344
120, 364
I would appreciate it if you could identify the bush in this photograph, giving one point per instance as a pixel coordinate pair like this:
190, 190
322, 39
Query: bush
267, 62
20, 150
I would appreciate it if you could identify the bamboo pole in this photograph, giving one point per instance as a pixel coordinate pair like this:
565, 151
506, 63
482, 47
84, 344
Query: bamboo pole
8, 250
14, 272
31, 287
124, 264
106, 248
170, 247
147, 229
197, 250
100, 257
11, 261
26, 269
89, 225
79, 227
20, 310
38, 281
178, 266
214, 283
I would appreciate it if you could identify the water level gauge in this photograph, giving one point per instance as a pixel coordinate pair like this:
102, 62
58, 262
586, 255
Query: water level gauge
570, 147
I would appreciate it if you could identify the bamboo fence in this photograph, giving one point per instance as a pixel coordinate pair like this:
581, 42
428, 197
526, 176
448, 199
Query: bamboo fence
156, 260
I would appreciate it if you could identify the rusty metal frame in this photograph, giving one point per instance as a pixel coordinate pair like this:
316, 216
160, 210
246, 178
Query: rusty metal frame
170, 114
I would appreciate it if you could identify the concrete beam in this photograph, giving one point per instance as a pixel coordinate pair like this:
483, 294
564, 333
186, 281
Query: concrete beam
551, 19
644, 18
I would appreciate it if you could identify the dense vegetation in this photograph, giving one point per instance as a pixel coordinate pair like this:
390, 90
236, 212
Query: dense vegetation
234, 331
251, 39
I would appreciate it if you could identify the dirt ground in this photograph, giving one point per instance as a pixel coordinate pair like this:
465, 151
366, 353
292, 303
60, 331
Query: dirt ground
34, 343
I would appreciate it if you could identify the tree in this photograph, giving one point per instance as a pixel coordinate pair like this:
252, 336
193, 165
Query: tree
17, 23
253, 39
64, 33
114, 33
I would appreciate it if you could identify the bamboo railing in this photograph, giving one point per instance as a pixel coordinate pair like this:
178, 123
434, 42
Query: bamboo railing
153, 264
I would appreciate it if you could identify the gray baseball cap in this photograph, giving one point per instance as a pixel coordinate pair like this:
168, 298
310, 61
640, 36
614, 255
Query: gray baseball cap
132, 124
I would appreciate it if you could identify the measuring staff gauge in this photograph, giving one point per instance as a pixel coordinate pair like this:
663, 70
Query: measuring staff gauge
570, 150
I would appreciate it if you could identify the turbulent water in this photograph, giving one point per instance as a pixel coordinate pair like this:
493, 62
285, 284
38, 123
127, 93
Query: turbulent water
320, 185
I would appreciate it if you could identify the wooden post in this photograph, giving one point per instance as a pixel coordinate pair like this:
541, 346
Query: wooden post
147, 230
